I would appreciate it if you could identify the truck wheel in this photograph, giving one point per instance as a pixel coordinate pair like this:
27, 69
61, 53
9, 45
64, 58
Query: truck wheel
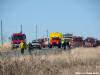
40, 48
59, 45
50, 46
43, 46
12, 48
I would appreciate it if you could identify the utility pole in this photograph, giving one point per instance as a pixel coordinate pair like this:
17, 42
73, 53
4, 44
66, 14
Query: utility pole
47, 33
21, 28
47, 36
1, 34
36, 31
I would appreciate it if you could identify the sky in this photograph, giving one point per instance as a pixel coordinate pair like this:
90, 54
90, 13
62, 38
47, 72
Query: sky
79, 17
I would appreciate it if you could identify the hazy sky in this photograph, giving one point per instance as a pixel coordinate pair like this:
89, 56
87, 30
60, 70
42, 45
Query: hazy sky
80, 17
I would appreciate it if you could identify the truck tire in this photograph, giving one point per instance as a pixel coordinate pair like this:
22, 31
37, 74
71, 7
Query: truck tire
50, 46
59, 45
39, 48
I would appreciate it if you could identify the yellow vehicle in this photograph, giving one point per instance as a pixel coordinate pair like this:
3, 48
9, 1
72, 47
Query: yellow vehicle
55, 39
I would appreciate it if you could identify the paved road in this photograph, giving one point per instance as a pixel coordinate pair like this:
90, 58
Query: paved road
17, 53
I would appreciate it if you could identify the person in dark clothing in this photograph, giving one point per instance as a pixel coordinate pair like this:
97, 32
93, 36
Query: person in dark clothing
68, 45
30, 48
64, 45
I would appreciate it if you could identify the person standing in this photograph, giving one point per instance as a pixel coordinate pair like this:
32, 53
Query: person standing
22, 46
30, 48
64, 45
68, 44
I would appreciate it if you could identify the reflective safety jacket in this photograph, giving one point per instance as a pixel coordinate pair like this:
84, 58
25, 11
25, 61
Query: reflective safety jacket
62, 41
22, 46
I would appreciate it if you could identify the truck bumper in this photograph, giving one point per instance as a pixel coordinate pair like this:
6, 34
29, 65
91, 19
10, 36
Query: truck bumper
15, 45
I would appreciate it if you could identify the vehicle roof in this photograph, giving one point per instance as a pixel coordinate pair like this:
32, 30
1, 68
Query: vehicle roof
18, 34
35, 41
90, 38
77, 37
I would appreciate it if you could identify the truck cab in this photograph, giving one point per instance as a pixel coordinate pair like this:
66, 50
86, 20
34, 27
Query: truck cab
16, 39
76, 41
55, 39
90, 42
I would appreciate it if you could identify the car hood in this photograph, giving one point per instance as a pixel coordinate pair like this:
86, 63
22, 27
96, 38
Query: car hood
35, 44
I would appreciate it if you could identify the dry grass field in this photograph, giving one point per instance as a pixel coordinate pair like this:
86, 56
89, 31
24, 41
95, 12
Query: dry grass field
85, 61
5, 47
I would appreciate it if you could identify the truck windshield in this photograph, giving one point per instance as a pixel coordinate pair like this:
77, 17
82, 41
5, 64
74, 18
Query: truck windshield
55, 38
90, 40
77, 39
18, 37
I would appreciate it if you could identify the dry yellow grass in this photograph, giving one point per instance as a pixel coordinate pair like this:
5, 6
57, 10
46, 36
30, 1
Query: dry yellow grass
79, 60
5, 47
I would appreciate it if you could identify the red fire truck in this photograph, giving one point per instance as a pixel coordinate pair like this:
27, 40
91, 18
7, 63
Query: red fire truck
90, 42
76, 41
16, 39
